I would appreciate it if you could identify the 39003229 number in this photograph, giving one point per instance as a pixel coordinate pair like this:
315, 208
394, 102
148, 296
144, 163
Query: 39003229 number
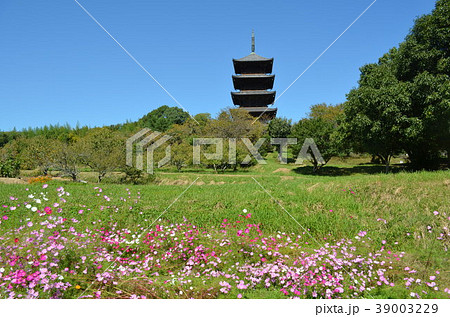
407, 308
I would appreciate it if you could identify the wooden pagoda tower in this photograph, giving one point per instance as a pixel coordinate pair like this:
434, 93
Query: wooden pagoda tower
253, 81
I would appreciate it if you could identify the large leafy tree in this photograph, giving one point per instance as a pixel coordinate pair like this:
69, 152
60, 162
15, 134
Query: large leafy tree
69, 157
326, 112
403, 101
40, 152
279, 127
163, 118
321, 126
375, 121
423, 61
236, 124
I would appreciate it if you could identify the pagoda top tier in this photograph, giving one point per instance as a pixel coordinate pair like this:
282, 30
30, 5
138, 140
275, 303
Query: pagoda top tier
253, 64
254, 81
253, 57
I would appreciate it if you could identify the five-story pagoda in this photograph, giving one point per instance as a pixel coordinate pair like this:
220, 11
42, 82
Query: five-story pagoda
254, 82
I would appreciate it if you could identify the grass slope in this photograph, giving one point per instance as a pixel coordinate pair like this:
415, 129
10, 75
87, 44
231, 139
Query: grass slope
410, 211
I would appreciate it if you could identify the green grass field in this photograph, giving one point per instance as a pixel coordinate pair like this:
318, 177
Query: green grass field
399, 208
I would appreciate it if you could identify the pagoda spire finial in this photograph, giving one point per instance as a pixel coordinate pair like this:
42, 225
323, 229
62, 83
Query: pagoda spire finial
253, 41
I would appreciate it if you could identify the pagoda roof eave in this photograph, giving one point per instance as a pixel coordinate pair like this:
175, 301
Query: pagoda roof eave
242, 76
253, 58
253, 92
258, 109
255, 98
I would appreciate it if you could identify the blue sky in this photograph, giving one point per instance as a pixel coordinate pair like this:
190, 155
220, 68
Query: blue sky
58, 66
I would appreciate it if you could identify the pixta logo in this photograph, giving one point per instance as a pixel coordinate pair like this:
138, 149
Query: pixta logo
282, 143
151, 142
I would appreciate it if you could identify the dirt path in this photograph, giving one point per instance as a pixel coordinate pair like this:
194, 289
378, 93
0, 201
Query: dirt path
225, 175
5, 180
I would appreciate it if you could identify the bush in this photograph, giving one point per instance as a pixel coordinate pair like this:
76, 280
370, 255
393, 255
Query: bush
9, 168
136, 176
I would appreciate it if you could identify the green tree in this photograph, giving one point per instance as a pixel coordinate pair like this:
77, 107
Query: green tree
68, 158
4, 138
9, 166
181, 155
324, 135
375, 121
402, 102
163, 118
40, 152
228, 160
203, 118
423, 61
326, 112
279, 127
235, 123
103, 151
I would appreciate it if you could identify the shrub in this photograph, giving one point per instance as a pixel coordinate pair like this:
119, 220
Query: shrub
9, 167
136, 176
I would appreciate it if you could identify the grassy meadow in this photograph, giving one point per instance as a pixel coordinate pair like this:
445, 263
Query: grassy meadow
400, 212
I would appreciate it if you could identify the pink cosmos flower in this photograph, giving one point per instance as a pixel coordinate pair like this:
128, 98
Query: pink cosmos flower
241, 285
435, 213
45, 186
432, 278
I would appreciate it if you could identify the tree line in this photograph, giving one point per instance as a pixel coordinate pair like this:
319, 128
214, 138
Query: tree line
400, 106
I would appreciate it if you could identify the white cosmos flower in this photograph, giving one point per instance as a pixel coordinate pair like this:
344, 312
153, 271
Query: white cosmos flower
244, 211
33, 208
30, 196
28, 206
2, 270
38, 201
